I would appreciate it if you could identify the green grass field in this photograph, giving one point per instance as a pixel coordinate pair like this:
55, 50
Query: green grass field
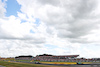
17, 64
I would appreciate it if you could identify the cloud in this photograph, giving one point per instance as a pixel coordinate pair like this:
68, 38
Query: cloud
12, 48
2, 9
13, 29
67, 25
15, 36
70, 24
51, 2
71, 19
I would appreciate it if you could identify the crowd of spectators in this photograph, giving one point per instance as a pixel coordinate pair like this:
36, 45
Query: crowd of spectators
51, 58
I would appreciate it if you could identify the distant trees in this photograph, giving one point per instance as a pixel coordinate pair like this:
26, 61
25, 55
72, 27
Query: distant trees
23, 56
45, 55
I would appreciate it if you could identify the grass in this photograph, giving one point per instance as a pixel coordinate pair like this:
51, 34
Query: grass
24, 60
17, 64
8, 63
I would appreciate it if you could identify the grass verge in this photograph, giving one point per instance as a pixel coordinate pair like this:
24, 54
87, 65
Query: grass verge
17, 64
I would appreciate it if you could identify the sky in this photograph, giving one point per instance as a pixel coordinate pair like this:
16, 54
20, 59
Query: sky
57, 27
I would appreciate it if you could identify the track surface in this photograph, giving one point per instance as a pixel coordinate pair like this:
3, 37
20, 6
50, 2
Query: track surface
2, 66
67, 65
74, 65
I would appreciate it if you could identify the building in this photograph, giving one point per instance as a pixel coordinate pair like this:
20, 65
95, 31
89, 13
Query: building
46, 57
57, 58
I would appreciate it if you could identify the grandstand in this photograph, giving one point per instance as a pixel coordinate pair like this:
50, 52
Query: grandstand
46, 57
57, 58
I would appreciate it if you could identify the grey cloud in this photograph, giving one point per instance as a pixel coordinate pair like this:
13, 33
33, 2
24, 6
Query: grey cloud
31, 40
7, 36
72, 19
49, 30
79, 40
50, 2
82, 24
76, 20
82, 8
36, 41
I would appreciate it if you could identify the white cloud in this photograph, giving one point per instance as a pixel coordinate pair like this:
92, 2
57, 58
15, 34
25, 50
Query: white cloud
18, 47
68, 26
72, 19
2, 9
16, 36
68, 22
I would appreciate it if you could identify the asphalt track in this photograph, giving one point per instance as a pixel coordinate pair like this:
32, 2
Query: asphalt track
2, 66
66, 65
75, 65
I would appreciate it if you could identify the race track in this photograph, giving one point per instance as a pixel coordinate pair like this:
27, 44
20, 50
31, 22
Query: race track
2, 66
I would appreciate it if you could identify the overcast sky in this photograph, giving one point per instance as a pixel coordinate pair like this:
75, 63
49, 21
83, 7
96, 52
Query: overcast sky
58, 27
